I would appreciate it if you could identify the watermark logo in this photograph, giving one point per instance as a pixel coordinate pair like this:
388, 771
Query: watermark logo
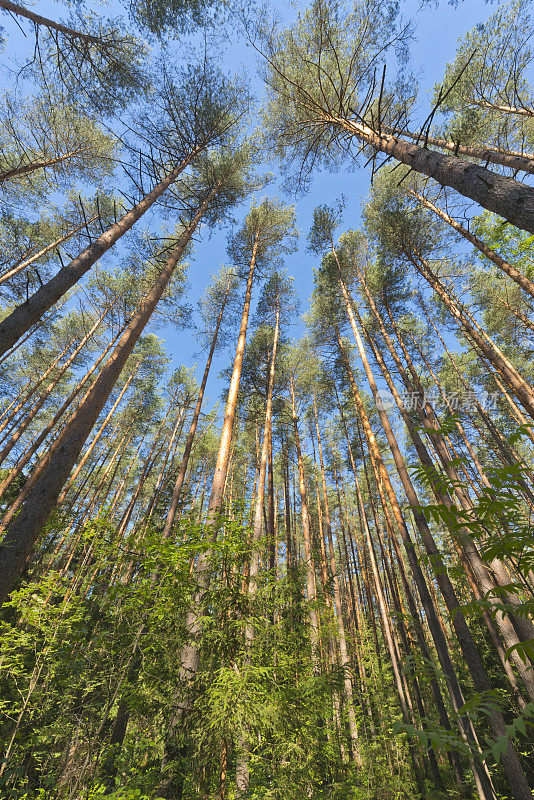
447, 401
384, 400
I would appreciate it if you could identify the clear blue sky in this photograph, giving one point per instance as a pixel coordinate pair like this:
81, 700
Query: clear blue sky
437, 32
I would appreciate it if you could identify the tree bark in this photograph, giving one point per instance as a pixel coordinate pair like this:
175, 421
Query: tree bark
173, 508
516, 383
510, 199
491, 155
480, 773
170, 785
510, 760
44, 250
37, 19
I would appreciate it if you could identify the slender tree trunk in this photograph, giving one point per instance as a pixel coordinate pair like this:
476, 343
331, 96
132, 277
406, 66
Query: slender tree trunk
41, 400
37, 19
517, 384
35, 165
520, 278
511, 763
173, 508
439, 567
260, 493
170, 786
242, 767
343, 649
30, 390
482, 779
41, 466
21, 463
471, 558
307, 536
10, 273
99, 433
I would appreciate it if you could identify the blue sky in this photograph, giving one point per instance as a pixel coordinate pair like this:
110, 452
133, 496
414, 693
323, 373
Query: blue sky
436, 34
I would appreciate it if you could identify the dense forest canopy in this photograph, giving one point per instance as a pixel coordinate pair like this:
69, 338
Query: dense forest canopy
267, 400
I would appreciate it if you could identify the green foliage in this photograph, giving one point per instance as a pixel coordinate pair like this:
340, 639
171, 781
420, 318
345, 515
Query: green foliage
490, 70
161, 17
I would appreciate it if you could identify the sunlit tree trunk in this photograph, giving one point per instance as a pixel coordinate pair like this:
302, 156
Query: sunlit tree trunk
482, 779
41, 400
170, 785
507, 197
343, 649
182, 469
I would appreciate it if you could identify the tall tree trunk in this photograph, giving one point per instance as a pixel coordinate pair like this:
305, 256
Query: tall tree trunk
182, 469
37, 19
32, 449
28, 313
475, 568
307, 536
474, 663
41, 400
170, 786
515, 382
481, 776
260, 493
511, 763
242, 768
30, 389
44, 250
491, 155
343, 649
508, 198
519, 277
